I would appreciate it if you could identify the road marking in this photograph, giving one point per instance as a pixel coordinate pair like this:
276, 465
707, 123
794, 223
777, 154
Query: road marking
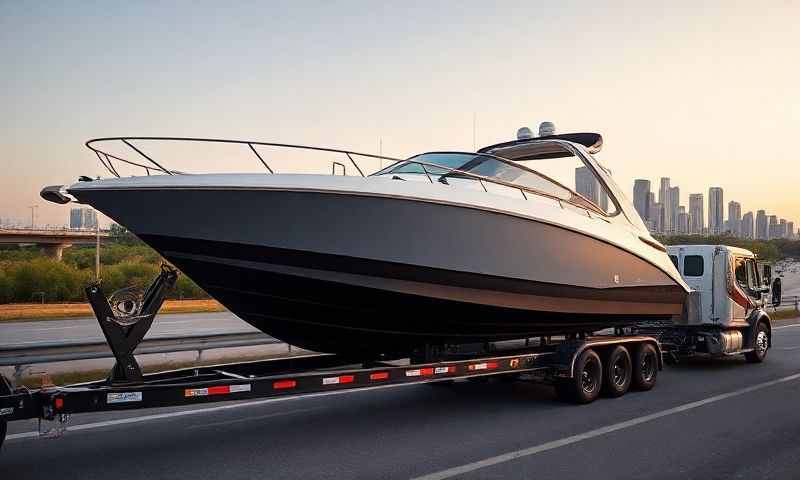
161, 416
255, 418
526, 452
787, 326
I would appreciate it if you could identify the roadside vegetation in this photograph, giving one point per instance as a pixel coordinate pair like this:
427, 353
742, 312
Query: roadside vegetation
768, 250
26, 275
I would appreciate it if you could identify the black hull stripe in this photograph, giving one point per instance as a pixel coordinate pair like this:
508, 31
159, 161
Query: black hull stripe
667, 294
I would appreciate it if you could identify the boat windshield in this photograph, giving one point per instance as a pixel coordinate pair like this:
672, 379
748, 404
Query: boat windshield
551, 182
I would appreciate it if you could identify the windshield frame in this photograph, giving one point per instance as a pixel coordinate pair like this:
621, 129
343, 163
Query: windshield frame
582, 202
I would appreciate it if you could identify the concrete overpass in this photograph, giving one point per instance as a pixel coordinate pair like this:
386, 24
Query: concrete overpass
52, 241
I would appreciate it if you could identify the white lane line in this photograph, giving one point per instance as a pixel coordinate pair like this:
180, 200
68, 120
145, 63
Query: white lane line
787, 326
160, 416
255, 418
507, 457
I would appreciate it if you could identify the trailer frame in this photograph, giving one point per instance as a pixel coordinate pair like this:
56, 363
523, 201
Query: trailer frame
560, 361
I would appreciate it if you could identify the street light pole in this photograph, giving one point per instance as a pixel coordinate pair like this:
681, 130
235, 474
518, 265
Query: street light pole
33, 217
97, 249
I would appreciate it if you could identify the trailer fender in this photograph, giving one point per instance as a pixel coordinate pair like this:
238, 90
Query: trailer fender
569, 351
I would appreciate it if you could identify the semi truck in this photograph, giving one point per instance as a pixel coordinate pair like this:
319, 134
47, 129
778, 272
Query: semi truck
724, 314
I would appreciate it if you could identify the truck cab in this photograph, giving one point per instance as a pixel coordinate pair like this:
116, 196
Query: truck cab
724, 313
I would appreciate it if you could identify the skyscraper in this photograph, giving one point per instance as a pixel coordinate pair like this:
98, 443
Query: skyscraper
762, 230
641, 198
772, 229
782, 228
734, 218
790, 230
674, 203
587, 185
746, 230
682, 221
663, 198
658, 217
75, 218
715, 210
696, 214
83, 218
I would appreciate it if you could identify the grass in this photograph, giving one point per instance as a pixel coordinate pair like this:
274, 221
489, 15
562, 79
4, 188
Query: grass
52, 311
790, 314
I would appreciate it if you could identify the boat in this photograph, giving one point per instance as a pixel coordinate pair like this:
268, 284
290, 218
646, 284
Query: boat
442, 248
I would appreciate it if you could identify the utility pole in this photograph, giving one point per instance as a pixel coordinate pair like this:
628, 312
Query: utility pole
33, 215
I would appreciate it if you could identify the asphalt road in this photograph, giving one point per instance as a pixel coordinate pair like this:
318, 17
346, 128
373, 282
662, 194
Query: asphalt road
705, 420
86, 328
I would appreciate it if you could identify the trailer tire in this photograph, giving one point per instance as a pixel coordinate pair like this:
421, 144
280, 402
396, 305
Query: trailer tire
760, 344
3, 430
645, 367
617, 372
586, 382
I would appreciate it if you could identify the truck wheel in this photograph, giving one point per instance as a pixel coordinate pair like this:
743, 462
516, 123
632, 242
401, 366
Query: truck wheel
3, 430
760, 345
617, 372
585, 384
645, 367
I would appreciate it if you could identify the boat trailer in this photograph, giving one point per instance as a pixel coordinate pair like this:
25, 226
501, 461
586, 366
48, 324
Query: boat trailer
575, 365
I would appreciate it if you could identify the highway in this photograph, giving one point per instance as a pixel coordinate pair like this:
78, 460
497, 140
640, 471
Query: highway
86, 328
705, 420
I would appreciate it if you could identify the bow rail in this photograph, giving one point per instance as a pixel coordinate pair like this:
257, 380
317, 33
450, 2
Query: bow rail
150, 164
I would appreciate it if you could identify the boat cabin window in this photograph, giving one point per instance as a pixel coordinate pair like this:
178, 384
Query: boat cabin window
552, 177
693, 266
674, 259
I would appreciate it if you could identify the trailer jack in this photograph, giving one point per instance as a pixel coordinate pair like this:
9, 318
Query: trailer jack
127, 321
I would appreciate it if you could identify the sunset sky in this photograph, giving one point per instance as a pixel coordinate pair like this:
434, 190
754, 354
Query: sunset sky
707, 93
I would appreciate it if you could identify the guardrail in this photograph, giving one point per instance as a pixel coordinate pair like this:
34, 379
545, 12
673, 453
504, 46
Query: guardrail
23, 356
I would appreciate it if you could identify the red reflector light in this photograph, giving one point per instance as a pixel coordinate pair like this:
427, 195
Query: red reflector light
482, 366
346, 379
426, 371
284, 384
59, 403
219, 390
379, 376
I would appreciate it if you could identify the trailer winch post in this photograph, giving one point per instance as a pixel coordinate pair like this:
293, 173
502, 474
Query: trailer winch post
123, 336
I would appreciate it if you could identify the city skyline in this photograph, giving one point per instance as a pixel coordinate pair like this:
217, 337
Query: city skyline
670, 216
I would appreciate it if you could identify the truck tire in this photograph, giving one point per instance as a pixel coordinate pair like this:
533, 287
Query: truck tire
760, 345
586, 382
3, 430
617, 372
645, 367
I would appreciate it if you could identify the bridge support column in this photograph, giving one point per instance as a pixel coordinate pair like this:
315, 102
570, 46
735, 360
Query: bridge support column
55, 250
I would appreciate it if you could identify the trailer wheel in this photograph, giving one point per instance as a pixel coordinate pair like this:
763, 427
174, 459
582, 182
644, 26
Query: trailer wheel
617, 372
760, 345
645, 367
585, 384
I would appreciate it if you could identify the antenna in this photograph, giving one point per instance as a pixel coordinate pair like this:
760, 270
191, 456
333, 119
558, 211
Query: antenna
474, 122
